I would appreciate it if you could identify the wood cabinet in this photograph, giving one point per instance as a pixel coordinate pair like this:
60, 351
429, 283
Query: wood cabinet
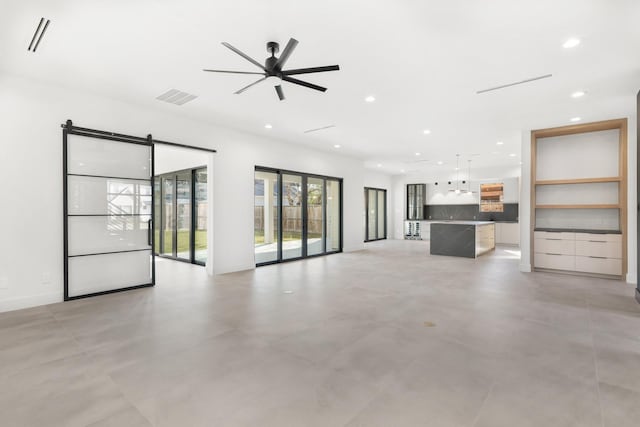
578, 195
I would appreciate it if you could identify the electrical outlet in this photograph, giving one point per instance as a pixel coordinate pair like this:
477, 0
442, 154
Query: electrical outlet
4, 283
46, 278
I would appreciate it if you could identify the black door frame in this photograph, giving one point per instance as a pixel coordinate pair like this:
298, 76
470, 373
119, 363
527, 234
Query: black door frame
366, 220
192, 232
304, 176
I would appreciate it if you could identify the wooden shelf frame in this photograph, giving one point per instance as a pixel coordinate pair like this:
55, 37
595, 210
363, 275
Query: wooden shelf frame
585, 206
579, 181
617, 124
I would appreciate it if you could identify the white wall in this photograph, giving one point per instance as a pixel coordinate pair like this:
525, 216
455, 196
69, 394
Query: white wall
31, 166
632, 200
171, 159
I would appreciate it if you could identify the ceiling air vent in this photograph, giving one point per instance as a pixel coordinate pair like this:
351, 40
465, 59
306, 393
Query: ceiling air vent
532, 79
176, 97
37, 36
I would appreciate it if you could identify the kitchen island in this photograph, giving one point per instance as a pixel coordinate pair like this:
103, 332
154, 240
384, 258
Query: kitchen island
468, 239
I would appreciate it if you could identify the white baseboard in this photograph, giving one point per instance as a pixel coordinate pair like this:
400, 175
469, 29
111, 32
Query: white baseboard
18, 303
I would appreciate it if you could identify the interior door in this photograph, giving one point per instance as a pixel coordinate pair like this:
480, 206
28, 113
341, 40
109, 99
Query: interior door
108, 209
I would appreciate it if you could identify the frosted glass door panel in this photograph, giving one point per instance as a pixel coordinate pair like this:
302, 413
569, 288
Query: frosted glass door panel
100, 273
99, 234
371, 215
93, 156
333, 216
594, 154
101, 196
578, 219
605, 193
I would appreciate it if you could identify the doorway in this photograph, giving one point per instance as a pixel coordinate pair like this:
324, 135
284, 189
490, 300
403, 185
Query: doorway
375, 202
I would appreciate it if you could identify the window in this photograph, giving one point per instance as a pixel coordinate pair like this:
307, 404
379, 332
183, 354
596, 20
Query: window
181, 215
296, 215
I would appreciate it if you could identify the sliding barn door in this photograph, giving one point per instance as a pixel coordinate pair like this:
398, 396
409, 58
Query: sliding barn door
108, 208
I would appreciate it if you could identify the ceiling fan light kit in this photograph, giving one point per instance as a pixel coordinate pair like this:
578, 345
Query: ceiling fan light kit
273, 68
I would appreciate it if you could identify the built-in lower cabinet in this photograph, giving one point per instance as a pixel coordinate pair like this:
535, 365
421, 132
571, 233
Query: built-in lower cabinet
592, 253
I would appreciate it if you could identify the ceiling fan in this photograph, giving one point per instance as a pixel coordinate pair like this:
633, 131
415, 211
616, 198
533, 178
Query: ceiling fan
273, 68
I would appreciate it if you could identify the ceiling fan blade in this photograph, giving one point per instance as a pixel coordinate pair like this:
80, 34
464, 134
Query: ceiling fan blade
288, 50
233, 72
280, 92
244, 55
248, 86
311, 70
302, 83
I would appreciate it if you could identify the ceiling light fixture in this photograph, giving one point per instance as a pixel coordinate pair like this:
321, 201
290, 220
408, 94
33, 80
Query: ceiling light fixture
379, 165
440, 162
417, 154
499, 143
578, 94
426, 131
402, 171
469, 192
572, 42
512, 155
337, 146
575, 119
457, 190
268, 126
370, 98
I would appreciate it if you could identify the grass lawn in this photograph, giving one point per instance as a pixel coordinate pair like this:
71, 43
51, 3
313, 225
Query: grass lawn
183, 240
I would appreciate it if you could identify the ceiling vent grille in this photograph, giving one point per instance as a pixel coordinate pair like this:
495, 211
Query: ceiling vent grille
532, 79
176, 97
37, 35
319, 129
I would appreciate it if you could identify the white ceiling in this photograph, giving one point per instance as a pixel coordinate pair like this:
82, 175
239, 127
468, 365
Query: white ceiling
422, 60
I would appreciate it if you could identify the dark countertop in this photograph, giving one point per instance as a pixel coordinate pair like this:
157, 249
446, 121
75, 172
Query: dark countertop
577, 230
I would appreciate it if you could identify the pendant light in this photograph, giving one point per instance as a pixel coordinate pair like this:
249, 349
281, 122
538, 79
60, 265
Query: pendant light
457, 190
469, 192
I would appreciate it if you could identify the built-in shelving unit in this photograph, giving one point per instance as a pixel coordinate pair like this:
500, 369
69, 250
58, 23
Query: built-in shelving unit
579, 195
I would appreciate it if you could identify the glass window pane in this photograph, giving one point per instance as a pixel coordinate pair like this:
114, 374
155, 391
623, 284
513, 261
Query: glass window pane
99, 273
183, 218
371, 215
100, 234
315, 228
266, 220
168, 217
102, 196
333, 215
291, 216
93, 156
201, 216
382, 213
157, 214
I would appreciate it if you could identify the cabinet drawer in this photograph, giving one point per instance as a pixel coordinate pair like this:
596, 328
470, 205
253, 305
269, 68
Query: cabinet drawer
617, 238
598, 248
554, 235
550, 246
599, 265
555, 262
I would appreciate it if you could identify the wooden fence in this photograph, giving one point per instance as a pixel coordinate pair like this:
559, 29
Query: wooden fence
292, 218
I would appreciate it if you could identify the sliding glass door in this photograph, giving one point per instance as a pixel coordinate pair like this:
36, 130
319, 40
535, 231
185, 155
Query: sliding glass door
181, 210
376, 214
296, 215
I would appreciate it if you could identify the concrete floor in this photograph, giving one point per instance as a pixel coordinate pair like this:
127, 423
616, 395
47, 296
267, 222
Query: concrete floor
388, 336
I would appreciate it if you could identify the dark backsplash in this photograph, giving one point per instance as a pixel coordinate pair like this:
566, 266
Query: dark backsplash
470, 213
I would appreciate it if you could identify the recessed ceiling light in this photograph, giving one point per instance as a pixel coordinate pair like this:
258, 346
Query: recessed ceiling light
426, 131
575, 119
578, 94
379, 165
520, 162
572, 42
417, 154
268, 126
370, 98
457, 169
401, 170
512, 155
336, 146
440, 162
499, 143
